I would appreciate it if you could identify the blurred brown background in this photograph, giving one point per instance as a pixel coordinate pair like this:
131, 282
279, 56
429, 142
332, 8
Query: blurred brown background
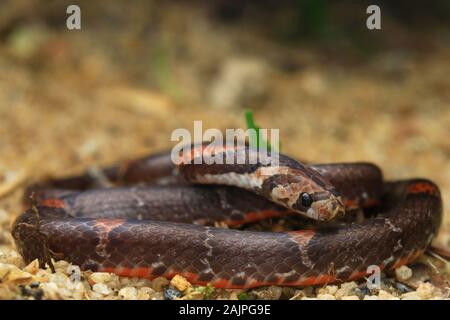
137, 70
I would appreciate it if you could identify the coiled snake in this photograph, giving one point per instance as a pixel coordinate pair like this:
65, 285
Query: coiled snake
144, 229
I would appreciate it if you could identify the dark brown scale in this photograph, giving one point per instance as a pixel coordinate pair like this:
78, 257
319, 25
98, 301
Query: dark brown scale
100, 230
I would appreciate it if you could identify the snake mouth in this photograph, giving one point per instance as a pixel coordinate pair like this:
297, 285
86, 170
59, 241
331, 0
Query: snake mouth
327, 209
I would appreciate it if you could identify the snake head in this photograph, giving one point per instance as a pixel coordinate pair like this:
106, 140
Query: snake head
307, 193
323, 205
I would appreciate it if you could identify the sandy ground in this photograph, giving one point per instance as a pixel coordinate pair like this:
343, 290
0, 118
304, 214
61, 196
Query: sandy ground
118, 88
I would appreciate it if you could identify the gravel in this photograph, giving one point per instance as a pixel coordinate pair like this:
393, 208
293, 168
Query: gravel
66, 105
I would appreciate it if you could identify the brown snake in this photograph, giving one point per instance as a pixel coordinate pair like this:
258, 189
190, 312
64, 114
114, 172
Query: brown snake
152, 230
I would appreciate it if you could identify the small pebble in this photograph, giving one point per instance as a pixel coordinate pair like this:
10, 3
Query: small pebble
33, 292
78, 291
10, 256
11, 273
100, 277
411, 296
368, 297
350, 298
197, 295
50, 290
266, 293
158, 296
145, 293
61, 265
347, 289
402, 287
328, 290
101, 288
128, 293
425, 290
59, 278
326, 297
384, 295
171, 294
403, 273
95, 295
32, 267
180, 283
237, 296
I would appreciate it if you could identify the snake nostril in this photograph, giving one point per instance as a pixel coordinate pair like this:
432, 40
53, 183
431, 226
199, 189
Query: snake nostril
337, 207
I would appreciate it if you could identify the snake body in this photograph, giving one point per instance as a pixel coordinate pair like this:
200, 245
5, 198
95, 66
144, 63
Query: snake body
151, 230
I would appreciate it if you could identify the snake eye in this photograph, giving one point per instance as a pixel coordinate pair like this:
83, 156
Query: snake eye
306, 199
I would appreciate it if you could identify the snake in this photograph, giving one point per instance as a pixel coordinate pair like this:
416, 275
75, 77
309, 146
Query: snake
154, 218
